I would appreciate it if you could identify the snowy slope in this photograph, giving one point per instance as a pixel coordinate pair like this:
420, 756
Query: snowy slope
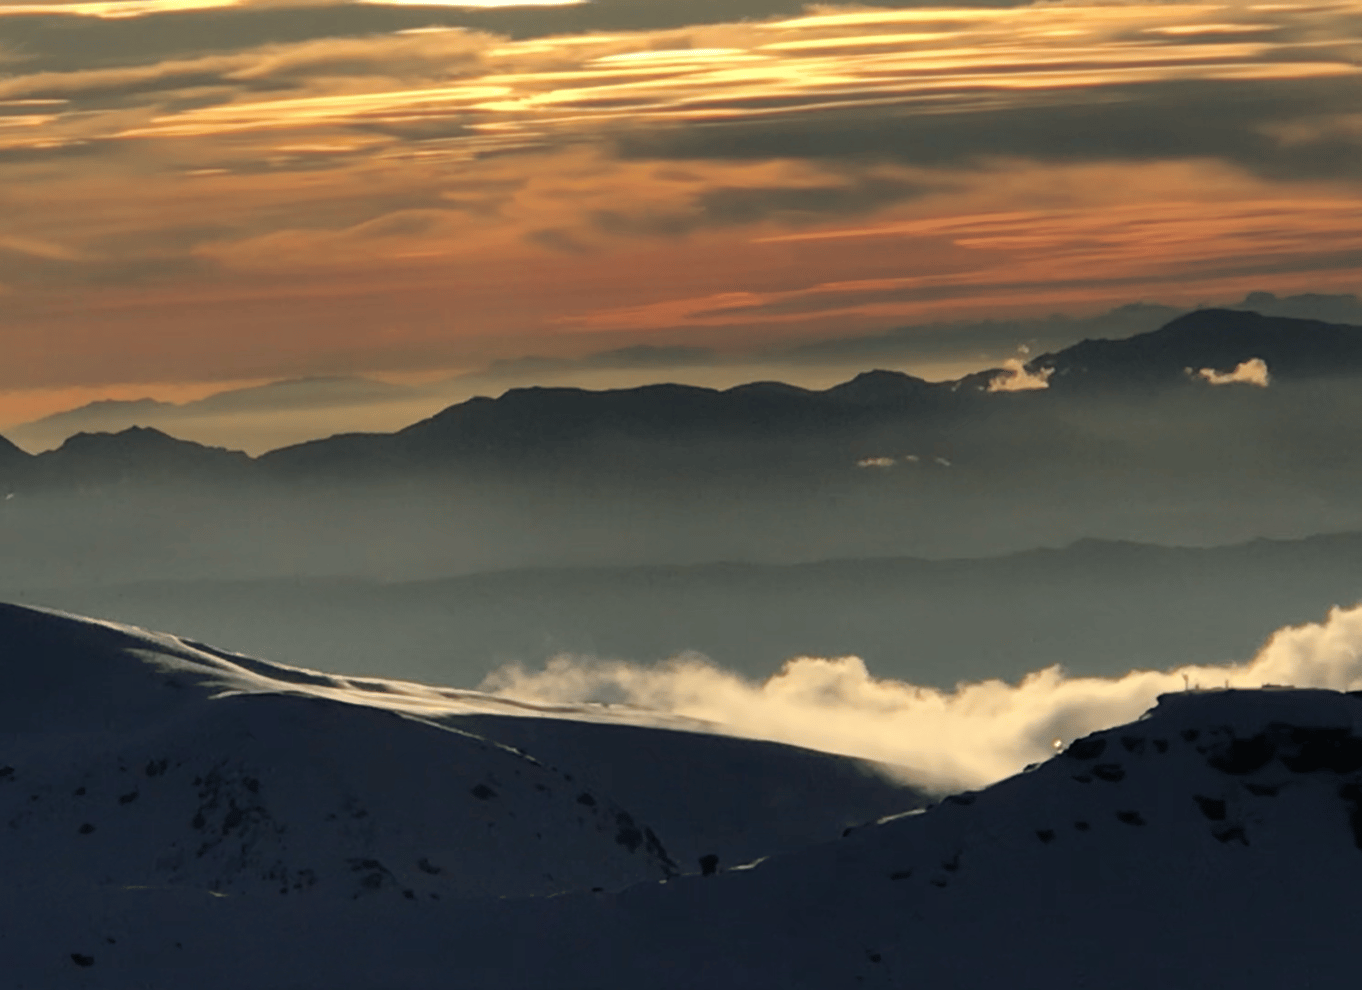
1217, 842
711, 798
1213, 844
131, 758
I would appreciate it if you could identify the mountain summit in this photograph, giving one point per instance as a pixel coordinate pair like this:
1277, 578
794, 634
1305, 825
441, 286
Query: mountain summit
1216, 339
139, 453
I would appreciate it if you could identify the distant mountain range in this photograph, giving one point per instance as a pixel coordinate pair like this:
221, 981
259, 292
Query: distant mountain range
1098, 608
264, 417
765, 425
259, 416
1121, 443
298, 393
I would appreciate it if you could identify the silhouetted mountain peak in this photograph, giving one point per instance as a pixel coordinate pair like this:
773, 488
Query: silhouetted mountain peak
1218, 339
137, 453
531, 417
134, 438
8, 449
12, 457
879, 387
769, 390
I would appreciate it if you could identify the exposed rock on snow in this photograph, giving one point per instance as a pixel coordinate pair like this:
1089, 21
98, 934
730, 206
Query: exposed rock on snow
145, 760
1215, 842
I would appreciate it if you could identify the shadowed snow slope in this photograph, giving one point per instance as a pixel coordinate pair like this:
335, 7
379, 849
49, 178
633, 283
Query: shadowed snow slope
1216, 842
711, 795
133, 759
138, 760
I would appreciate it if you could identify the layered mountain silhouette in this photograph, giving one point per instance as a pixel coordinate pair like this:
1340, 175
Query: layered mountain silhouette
652, 424
1125, 445
665, 425
1095, 607
99, 416
135, 456
258, 416
1217, 339
296, 393
138, 453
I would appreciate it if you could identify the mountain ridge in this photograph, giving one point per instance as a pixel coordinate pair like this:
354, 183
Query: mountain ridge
1216, 339
548, 426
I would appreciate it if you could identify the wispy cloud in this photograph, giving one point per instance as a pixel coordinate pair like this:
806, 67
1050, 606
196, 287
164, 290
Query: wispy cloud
967, 737
695, 183
1029, 257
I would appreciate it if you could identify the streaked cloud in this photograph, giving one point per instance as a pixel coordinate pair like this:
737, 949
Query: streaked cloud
350, 174
1075, 256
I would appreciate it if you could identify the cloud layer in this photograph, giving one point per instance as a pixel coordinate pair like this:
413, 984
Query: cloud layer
236, 191
971, 736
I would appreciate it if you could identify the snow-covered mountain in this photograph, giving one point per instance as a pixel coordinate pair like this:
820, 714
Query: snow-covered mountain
159, 797
1216, 842
139, 761
145, 760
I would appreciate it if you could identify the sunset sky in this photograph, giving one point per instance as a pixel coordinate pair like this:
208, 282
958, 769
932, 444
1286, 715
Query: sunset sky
198, 193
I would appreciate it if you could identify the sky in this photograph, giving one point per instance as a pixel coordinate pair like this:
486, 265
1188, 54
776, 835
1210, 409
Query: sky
197, 194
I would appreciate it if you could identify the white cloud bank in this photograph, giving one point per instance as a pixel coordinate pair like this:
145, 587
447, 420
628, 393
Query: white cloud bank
1250, 372
1015, 378
967, 737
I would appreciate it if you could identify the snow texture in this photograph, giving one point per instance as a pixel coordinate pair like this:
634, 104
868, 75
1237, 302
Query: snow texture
177, 816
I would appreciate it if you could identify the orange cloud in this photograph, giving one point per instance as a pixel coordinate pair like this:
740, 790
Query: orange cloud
1174, 233
434, 198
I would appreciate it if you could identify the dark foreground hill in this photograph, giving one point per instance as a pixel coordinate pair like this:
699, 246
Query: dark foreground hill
1216, 842
136, 760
